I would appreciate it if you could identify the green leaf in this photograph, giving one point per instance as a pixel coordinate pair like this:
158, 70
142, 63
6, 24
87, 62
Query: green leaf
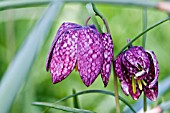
95, 91
19, 4
60, 107
19, 68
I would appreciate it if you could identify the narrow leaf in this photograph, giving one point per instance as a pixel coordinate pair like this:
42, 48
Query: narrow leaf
60, 107
19, 68
27, 3
95, 91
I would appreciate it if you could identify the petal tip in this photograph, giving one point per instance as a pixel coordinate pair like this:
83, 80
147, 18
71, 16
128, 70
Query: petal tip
87, 83
105, 84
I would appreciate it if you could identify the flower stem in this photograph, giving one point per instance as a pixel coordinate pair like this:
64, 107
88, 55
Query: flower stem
32, 3
87, 20
144, 103
92, 14
102, 17
75, 100
116, 93
143, 44
144, 26
139, 35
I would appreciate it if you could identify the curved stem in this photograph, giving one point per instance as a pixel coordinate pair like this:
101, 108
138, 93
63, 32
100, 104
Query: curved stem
97, 13
139, 35
94, 91
87, 20
116, 93
144, 103
102, 17
19, 4
92, 14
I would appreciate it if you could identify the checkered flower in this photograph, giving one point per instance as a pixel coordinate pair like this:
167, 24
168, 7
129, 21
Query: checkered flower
82, 48
138, 70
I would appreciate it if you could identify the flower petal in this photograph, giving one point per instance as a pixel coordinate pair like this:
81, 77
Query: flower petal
64, 56
89, 54
130, 68
137, 57
108, 57
135, 95
120, 71
152, 93
125, 87
118, 67
152, 77
63, 28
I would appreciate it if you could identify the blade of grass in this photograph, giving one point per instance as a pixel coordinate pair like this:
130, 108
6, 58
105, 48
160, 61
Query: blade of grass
94, 91
19, 4
60, 107
19, 68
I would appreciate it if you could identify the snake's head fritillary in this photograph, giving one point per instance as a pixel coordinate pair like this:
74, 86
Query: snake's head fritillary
138, 70
80, 47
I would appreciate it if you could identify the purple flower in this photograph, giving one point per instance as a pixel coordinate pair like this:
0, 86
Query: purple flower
138, 70
82, 48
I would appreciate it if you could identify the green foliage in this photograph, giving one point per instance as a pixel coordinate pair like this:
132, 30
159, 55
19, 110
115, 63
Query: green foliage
124, 22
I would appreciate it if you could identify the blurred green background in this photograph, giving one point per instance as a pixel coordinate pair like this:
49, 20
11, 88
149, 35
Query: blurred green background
124, 22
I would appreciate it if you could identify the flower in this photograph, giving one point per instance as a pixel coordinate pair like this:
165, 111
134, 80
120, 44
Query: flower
138, 70
80, 47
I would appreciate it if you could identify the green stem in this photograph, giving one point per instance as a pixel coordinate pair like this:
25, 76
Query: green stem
144, 103
139, 35
116, 93
75, 100
19, 4
92, 14
94, 91
102, 17
144, 26
144, 43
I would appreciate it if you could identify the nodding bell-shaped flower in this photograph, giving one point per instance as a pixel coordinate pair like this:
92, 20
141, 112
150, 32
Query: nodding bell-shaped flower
138, 70
82, 48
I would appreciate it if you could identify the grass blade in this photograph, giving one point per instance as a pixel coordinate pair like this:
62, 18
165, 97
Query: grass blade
60, 107
19, 4
21, 64
95, 91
